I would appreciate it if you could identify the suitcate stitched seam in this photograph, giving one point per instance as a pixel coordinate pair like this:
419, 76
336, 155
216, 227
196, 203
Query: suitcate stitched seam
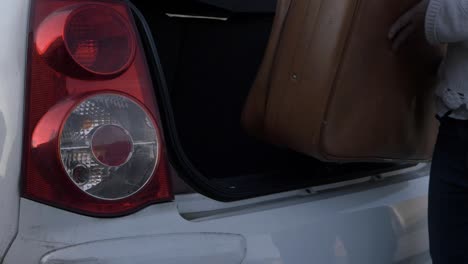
270, 70
321, 148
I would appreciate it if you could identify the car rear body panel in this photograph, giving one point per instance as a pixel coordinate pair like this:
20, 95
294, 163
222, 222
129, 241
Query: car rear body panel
13, 31
366, 223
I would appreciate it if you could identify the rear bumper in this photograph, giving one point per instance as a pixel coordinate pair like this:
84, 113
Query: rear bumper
361, 224
196, 248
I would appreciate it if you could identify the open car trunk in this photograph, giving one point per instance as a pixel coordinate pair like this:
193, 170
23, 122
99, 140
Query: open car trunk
206, 55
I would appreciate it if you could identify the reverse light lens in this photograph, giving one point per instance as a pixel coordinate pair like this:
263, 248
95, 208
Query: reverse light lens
109, 146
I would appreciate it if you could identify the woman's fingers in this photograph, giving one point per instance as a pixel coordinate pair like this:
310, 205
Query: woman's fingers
407, 24
403, 35
400, 24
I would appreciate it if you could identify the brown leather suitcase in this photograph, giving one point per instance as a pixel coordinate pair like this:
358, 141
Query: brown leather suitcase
331, 87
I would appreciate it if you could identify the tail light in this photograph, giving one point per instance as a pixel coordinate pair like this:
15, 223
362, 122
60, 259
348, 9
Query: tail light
93, 144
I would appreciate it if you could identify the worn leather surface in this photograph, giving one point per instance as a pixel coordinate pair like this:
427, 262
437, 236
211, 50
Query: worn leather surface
331, 87
255, 108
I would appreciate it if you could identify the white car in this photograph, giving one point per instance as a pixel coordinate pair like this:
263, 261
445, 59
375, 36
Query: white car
111, 153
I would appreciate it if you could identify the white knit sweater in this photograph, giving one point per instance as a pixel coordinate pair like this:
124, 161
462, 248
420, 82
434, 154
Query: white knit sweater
447, 22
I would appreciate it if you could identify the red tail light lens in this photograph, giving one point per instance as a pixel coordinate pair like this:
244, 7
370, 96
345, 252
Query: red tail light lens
112, 145
92, 144
87, 40
99, 39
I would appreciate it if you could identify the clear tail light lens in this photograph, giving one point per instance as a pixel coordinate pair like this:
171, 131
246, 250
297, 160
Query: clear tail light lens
109, 146
92, 141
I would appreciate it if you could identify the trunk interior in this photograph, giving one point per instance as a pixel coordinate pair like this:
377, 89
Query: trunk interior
209, 66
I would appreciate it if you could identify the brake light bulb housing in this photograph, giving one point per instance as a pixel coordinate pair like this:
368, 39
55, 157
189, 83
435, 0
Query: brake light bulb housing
92, 142
86, 41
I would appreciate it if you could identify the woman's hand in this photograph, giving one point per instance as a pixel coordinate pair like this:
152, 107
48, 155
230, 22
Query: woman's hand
407, 24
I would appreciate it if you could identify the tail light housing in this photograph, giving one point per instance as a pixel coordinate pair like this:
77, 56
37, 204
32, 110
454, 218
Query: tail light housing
93, 143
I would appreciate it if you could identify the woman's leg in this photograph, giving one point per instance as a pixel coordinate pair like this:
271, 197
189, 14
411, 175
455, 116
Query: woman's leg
448, 194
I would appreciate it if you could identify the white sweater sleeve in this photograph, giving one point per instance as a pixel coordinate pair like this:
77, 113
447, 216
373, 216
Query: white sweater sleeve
447, 21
